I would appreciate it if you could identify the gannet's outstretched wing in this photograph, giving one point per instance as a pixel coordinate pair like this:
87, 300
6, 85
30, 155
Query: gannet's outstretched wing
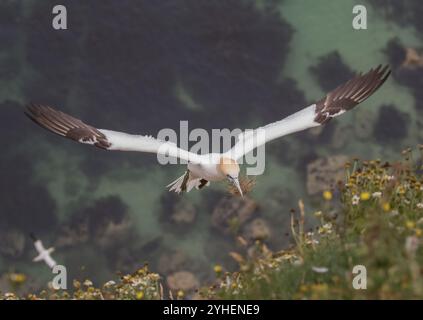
46, 257
39, 246
72, 128
335, 103
50, 261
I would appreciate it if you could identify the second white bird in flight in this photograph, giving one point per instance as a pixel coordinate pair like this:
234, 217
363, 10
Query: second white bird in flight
215, 166
43, 253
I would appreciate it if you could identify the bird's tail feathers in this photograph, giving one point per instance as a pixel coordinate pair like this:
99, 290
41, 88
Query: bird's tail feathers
186, 183
178, 184
193, 183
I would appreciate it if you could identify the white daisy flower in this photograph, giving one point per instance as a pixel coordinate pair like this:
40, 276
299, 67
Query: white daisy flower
88, 283
319, 269
109, 283
355, 200
377, 194
411, 245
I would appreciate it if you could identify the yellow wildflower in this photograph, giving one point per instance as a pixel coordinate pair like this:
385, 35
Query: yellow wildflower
419, 232
217, 268
17, 278
140, 295
319, 287
410, 224
386, 206
180, 294
327, 195
303, 288
364, 196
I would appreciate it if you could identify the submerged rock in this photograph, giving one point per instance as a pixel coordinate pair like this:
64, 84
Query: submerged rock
26, 202
73, 235
413, 58
323, 173
104, 222
364, 120
184, 212
112, 232
177, 214
258, 229
396, 53
12, 243
405, 13
341, 135
407, 64
391, 125
232, 212
183, 280
333, 65
172, 261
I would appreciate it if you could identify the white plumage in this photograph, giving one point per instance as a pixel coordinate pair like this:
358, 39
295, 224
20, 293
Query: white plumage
214, 166
44, 254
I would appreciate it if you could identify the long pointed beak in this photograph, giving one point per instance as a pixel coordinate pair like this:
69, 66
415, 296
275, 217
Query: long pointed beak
238, 186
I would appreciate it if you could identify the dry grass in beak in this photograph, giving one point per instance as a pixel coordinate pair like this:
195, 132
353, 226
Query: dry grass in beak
246, 185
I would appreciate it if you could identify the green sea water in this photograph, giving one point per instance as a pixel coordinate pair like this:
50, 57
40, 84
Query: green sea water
320, 28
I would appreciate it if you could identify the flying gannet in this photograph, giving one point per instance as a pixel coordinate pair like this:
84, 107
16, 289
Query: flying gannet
215, 166
43, 254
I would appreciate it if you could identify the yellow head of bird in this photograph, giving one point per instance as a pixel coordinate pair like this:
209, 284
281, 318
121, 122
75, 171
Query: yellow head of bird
229, 167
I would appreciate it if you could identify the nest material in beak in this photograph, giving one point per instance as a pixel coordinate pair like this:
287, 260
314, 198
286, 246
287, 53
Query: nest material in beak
246, 185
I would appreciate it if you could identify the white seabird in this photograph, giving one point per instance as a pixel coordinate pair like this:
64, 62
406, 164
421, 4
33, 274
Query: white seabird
43, 254
215, 166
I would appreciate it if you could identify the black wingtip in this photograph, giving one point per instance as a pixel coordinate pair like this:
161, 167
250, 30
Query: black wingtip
33, 237
31, 110
386, 72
